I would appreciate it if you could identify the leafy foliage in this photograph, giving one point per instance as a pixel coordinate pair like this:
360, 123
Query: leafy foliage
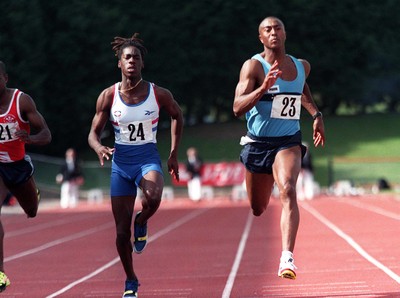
59, 52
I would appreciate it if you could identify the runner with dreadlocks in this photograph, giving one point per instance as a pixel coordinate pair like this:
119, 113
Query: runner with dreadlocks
132, 106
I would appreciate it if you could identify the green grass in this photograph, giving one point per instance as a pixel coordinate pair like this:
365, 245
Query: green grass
368, 136
373, 138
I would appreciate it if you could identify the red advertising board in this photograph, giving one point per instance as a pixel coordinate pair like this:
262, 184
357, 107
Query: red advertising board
215, 174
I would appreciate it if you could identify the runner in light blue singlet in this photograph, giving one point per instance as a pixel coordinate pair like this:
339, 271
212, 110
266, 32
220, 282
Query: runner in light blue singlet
271, 92
259, 120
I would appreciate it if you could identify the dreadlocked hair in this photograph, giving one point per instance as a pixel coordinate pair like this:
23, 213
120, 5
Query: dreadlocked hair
121, 43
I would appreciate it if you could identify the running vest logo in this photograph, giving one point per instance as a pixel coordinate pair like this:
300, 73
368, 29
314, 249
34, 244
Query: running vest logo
148, 113
10, 119
117, 114
274, 89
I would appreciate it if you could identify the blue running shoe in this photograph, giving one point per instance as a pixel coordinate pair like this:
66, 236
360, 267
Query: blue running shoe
140, 234
131, 289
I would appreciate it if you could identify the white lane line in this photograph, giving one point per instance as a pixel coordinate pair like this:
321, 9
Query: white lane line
351, 242
152, 238
90, 275
242, 244
58, 242
374, 209
46, 225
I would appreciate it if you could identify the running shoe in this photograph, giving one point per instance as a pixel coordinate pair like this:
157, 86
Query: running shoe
140, 234
287, 269
131, 289
4, 281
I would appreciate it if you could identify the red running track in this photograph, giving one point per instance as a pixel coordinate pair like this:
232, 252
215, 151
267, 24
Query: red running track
346, 247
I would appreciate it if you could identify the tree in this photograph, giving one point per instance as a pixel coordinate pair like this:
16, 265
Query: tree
60, 53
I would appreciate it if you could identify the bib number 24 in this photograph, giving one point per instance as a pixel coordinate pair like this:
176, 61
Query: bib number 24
136, 132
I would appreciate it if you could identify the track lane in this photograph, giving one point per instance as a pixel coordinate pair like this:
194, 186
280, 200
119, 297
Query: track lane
369, 241
195, 257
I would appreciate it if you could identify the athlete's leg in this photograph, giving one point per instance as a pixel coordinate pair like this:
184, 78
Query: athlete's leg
27, 196
152, 185
3, 194
122, 208
286, 169
259, 189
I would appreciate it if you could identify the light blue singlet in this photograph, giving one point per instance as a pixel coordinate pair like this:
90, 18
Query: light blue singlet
259, 121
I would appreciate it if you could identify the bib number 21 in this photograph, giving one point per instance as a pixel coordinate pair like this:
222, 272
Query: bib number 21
7, 131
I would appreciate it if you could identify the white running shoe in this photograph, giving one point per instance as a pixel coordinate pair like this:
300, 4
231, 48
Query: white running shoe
287, 269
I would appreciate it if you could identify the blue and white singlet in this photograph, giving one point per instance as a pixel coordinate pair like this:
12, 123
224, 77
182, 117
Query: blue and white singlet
135, 126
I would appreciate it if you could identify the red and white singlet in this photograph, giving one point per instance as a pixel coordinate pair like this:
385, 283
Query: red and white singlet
11, 147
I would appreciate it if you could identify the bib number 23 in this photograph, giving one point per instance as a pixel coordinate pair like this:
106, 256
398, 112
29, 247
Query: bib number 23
285, 106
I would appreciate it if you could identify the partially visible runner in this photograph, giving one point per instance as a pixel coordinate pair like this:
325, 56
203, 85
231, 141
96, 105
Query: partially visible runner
18, 114
133, 107
271, 90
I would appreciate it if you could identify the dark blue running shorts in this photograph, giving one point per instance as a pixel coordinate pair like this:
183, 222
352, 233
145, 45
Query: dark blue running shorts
258, 157
15, 173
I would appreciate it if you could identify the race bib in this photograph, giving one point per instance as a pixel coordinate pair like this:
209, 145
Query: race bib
286, 106
136, 132
7, 131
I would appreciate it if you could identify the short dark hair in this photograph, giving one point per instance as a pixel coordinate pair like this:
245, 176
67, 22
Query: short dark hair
271, 17
121, 43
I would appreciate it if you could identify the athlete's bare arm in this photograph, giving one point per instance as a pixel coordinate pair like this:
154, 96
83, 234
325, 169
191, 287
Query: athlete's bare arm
41, 132
308, 103
252, 85
167, 102
103, 108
